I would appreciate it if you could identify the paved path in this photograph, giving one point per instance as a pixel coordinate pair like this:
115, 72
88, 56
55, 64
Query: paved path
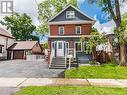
9, 86
27, 69
8, 90
23, 82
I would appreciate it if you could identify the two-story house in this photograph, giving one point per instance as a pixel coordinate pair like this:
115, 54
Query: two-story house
66, 30
6, 40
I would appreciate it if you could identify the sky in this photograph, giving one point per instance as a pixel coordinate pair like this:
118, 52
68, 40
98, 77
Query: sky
92, 10
30, 7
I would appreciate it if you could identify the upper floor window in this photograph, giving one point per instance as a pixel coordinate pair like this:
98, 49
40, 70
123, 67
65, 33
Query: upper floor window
78, 29
61, 30
70, 14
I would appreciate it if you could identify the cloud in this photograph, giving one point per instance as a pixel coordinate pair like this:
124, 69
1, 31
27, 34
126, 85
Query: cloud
109, 26
29, 7
26, 6
81, 1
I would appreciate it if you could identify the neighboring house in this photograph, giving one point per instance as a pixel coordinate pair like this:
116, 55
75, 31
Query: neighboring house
20, 49
66, 30
6, 40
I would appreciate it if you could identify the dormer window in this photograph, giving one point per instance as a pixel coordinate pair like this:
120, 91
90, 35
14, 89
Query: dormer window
70, 14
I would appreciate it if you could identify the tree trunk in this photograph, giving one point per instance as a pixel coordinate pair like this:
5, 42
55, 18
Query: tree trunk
110, 52
122, 55
94, 54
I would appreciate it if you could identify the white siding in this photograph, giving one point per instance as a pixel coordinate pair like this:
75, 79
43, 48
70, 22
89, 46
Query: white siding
7, 42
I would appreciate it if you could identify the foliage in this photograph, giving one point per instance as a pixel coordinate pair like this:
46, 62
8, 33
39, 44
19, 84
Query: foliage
45, 45
96, 38
48, 9
121, 32
111, 7
20, 25
72, 90
107, 71
34, 37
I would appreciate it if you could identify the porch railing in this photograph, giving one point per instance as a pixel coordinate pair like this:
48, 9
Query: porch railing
52, 55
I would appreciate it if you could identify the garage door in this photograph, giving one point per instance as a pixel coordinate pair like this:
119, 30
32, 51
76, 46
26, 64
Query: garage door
18, 54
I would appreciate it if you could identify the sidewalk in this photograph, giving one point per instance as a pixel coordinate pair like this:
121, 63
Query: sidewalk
23, 82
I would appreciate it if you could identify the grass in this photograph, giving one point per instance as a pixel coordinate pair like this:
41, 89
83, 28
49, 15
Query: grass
108, 71
72, 90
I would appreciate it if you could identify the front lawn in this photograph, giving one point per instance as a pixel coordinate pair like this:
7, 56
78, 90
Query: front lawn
108, 71
72, 90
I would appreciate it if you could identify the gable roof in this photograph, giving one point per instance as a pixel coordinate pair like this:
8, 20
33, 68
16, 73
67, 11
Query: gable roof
5, 33
80, 16
23, 45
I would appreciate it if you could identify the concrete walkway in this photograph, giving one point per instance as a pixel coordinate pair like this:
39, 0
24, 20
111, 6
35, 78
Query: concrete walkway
23, 82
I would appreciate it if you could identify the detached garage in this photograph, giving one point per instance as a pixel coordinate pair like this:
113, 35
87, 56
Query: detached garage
21, 49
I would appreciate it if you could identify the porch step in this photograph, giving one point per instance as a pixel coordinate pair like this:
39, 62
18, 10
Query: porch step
57, 66
58, 63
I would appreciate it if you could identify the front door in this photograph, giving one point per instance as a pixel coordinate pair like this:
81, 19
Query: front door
60, 48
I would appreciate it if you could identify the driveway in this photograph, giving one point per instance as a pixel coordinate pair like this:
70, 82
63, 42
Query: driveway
27, 69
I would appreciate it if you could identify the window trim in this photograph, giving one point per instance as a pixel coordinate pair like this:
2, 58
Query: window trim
67, 12
77, 29
75, 46
60, 29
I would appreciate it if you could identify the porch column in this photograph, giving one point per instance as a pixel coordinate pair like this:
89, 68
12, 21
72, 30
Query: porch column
12, 55
49, 51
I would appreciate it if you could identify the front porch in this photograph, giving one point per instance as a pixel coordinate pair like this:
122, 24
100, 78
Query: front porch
59, 51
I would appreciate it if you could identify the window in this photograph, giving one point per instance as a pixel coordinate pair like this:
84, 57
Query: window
78, 46
0, 49
60, 45
78, 29
70, 14
61, 30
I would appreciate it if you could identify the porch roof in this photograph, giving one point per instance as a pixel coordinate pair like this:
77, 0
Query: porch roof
87, 36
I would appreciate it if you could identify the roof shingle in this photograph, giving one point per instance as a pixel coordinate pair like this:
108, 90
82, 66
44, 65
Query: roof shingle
3, 32
23, 45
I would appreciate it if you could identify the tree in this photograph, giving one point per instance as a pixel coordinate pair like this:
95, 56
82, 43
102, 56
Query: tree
48, 9
20, 25
121, 34
112, 7
95, 39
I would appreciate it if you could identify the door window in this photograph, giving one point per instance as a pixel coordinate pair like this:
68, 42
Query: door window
60, 45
